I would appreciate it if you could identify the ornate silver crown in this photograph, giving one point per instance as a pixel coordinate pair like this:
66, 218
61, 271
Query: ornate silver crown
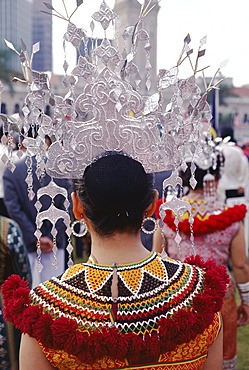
110, 114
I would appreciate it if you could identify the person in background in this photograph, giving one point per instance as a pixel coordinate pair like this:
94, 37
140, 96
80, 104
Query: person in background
235, 175
127, 307
219, 235
23, 211
13, 260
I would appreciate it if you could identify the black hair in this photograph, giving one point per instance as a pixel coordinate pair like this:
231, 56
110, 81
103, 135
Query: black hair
200, 173
227, 131
115, 191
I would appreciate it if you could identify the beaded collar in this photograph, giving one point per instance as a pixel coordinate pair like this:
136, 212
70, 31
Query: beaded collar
155, 298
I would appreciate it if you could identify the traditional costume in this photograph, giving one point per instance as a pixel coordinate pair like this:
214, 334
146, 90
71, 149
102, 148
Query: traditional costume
165, 316
215, 225
161, 318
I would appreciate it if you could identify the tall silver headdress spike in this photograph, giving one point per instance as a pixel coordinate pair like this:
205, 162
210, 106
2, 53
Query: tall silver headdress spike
110, 114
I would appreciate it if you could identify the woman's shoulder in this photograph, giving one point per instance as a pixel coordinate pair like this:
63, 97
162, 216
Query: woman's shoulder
168, 294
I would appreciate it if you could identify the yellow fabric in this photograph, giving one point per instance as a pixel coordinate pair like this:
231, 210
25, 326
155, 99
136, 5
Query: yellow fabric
188, 356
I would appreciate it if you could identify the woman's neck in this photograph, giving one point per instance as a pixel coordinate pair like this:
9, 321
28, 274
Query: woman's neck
119, 248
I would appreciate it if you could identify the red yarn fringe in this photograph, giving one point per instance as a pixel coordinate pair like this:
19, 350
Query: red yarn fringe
63, 333
210, 225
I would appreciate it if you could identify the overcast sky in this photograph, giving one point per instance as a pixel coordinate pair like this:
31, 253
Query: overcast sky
224, 22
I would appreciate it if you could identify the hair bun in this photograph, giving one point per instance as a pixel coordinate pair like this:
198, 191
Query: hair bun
116, 182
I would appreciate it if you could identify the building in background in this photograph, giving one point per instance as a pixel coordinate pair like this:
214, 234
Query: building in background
15, 24
17, 21
42, 32
23, 19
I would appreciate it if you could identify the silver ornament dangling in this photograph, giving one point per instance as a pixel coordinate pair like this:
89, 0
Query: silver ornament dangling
149, 231
82, 225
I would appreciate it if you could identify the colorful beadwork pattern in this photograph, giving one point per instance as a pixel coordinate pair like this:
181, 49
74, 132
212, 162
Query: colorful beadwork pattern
161, 306
148, 291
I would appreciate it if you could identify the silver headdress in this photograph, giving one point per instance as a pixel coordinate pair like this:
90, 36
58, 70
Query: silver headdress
110, 114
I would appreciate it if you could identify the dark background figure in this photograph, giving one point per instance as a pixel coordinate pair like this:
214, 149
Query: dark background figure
13, 260
24, 212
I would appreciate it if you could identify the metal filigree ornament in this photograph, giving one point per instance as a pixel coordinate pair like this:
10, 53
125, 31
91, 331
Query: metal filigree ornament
171, 201
53, 214
111, 114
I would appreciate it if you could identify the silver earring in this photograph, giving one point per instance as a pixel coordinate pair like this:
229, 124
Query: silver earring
83, 228
149, 231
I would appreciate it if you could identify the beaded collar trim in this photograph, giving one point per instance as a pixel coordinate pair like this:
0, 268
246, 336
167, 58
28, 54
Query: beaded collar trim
57, 321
